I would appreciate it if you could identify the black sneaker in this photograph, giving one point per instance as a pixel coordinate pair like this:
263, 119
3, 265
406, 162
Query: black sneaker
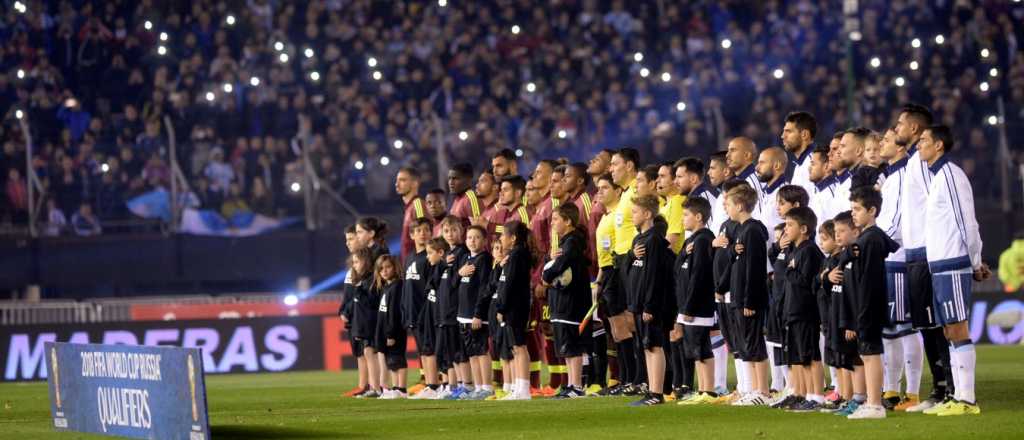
682, 393
784, 402
649, 400
829, 406
797, 401
805, 407
573, 393
631, 390
891, 402
614, 390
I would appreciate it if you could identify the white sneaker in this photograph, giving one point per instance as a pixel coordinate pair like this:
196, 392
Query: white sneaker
742, 401
424, 394
868, 412
517, 395
388, 394
925, 404
442, 394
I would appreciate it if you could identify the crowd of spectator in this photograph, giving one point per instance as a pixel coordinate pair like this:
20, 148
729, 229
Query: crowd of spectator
368, 86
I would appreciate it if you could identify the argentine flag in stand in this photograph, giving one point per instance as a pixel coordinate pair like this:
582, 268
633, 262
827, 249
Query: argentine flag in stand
243, 224
154, 204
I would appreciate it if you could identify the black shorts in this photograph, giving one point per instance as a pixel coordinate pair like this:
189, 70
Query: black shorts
727, 324
568, 340
750, 330
773, 325
449, 347
394, 356
426, 339
869, 342
358, 345
802, 343
474, 342
697, 342
513, 334
650, 335
919, 281
846, 354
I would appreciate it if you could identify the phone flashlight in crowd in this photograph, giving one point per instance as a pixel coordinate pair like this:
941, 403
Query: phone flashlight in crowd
148, 25
70, 102
19, 114
254, 81
162, 50
296, 187
210, 96
105, 168
228, 88
230, 20
372, 62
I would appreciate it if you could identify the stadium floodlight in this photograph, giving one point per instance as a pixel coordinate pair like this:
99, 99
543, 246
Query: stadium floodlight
519, 152
856, 36
398, 144
372, 62
985, 53
531, 87
680, 106
291, 299
314, 75
105, 168
359, 164
278, 46
228, 88
983, 86
463, 135
148, 25
384, 160
210, 96
993, 72
283, 57
913, 65
726, 43
899, 81
939, 39
309, 52
562, 134
876, 62
296, 187
230, 20
779, 73
254, 81
638, 57
993, 120
915, 43
164, 36
666, 77
162, 50
21, 73
19, 114
515, 29
644, 72
377, 75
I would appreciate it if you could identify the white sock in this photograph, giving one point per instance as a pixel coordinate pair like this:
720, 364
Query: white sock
892, 364
913, 357
523, 386
816, 398
966, 359
748, 376
487, 387
741, 374
833, 377
721, 365
506, 387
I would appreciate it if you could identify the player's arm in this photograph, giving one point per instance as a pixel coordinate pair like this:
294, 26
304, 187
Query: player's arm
967, 223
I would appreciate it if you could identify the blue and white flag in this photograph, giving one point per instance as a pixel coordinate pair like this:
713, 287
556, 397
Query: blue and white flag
244, 224
154, 204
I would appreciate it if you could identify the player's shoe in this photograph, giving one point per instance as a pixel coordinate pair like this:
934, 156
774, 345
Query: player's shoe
890, 399
619, 389
573, 393
415, 389
908, 401
517, 395
354, 392
722, 399
958, 408
832, 406
805, 407
395, 394
698, 399
848, 408
752, 399
443, 393
457, 393
833, 396
369, 394
868, 412
593, 390
480, 394
387, 394
784, 402
536, 392
940, 407
649, 400
425, 394
547, 391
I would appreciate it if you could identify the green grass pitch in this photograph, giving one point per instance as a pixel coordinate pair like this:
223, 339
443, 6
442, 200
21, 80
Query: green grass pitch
309, 406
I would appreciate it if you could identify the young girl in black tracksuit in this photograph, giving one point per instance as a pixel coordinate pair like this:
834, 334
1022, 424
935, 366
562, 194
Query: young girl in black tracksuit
502, 375
364, 317
512, 304
473, 274
390, 336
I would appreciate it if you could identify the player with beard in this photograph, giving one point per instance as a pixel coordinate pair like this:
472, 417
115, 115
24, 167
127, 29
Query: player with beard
407, 185
798, 139
741, 157
773, 172
718, 174
504, 164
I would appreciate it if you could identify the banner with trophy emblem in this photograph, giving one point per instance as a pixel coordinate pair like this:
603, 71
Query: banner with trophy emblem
127, 390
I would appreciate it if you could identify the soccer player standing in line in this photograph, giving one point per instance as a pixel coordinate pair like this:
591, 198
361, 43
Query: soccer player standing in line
607, 291
672, 210
624, 168
798, 139
741, 157
465, 204
407, 185
953, 247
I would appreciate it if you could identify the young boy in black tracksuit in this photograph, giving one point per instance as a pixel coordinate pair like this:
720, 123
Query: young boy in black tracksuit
451, 356
569, 303
695, 299
778, 255
823, 290
425, 327
870, 296
650, 277
390, 336
841, 277
512, 304
749, 287
502, 374
474, 272
800, 311
414, 296
722, 269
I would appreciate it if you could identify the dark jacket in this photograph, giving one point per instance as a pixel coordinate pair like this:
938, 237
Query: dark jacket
513, 292
364, 309
802, 267
414, 289
723, 258
447, 288
389, 315
650, 277
569, 304
749, 273
694, 280
472, 290
870, 290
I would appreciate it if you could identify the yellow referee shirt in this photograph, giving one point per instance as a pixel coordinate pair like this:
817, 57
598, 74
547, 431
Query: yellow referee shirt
604, 236
625, 230
672, 211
